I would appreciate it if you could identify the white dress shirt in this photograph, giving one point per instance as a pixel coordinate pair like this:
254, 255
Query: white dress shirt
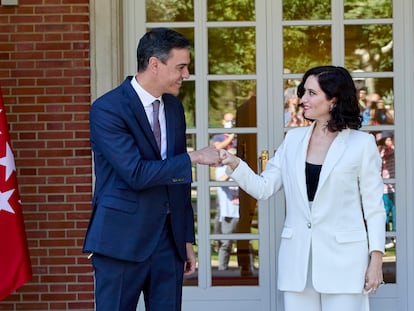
147, 99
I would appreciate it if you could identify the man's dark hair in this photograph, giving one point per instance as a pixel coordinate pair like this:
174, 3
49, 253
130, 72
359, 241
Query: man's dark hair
159, 42
336, 82
363, 88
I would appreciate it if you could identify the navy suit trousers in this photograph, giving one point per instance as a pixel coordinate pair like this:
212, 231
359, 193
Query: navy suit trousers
119, 283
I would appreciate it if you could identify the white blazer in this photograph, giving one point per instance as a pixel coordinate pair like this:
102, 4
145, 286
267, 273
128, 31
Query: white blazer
350, 190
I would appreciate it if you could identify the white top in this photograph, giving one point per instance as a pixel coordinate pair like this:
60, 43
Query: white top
147, 99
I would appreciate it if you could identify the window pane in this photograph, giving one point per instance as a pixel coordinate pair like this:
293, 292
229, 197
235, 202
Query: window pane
369, 48
187, 97
170, 10
357, 9
227, 97
389, 205
194, 203
240, 260
386, 147
390, 256
376, 100
389, 267
191, 146
235, 10
233, 207
305, 47
232, 50
310, 9
192, 280
225, 206
293, 112
232, 211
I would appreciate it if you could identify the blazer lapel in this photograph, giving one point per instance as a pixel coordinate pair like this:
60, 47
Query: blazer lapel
335, 152
301, 162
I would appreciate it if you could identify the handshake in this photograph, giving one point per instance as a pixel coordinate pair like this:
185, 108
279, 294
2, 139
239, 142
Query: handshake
213, 156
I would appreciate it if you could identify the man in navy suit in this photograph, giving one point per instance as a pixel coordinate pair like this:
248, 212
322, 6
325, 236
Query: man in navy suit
141, 231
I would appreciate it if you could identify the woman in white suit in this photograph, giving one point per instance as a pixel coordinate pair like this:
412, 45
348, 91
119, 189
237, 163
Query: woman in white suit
333, 238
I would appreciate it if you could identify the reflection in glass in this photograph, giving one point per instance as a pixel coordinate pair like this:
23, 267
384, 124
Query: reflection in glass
389, 267
376, 100
239, 271
379, 114
232, 211
226, 141
246, 112
226, 220
305, 47
293, 112
385, 142
226, 97
357, 9
169, 10
187, 97
369, 48
310, 9
195, 206
389, 205
192, 280
235, 10
232, 50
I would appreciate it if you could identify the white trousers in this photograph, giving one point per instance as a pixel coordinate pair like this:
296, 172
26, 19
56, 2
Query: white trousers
310, 300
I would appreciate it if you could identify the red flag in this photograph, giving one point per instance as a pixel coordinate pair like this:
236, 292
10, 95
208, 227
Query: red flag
15, 267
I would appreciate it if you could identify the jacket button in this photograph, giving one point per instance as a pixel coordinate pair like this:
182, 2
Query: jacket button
309, 225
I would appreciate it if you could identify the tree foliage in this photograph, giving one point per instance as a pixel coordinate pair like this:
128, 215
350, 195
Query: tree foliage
232, 50
169, 10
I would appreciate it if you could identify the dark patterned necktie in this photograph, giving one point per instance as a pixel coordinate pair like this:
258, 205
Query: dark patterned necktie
156, 122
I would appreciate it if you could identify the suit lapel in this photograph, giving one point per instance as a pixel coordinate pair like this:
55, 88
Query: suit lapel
139, 112
335, 152
301, 162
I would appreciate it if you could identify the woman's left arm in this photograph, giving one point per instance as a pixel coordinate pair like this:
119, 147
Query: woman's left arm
372, 188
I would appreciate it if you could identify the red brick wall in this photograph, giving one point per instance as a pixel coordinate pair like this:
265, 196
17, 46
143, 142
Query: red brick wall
45, 79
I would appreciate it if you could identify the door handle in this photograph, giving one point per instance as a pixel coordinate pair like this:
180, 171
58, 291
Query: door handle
264, 157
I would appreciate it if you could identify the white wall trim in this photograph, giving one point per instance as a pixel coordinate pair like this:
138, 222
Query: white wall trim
106, 54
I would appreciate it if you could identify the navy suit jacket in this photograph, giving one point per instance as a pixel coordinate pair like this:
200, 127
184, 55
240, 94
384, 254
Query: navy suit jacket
134, 187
